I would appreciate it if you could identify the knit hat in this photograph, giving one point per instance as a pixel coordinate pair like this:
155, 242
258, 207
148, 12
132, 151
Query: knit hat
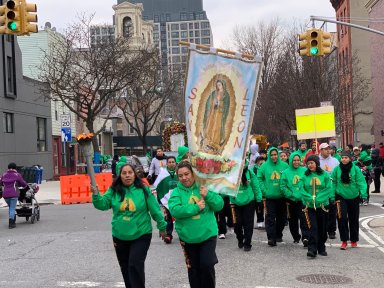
346, 154
315, 159
181, 152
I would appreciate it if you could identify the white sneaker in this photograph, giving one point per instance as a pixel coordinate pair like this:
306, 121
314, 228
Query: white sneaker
260, 225
222, 236
365, 203
230, 230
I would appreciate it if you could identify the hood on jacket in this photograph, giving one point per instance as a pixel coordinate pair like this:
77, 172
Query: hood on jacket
291, 161
181, 152
254, 149
123, 159
269, 160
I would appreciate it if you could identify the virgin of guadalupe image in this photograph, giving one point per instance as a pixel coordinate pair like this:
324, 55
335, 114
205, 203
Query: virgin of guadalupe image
215, 118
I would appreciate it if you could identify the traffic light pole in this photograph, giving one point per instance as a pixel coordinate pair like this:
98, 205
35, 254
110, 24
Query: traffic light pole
316, 18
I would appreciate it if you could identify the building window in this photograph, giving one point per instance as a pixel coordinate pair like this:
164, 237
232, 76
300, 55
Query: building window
190, 26
204, 25
206, 41
197, 25
205, 33
8, 123
183, 26
174, 27
183, 16
41, 134
167, 17
176, 50
175, 42
10, 76
184, 34
131, 130
127, 27
175, 34
197, 33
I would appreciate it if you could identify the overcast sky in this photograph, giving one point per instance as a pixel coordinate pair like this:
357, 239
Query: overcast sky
224, 15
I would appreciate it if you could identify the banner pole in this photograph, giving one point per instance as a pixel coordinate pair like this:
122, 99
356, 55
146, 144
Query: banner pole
204, 47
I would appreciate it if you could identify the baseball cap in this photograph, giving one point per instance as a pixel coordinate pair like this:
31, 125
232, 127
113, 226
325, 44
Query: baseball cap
355, 148
323, 146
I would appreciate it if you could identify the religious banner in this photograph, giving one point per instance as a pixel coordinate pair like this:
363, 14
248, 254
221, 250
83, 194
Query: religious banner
220, 100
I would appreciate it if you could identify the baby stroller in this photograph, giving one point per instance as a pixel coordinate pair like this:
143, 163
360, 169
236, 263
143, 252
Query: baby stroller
29, 207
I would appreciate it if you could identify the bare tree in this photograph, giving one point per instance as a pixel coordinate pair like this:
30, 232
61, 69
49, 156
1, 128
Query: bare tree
87, 76
144, 99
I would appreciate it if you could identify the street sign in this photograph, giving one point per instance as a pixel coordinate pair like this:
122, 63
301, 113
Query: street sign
65, 121
66, 134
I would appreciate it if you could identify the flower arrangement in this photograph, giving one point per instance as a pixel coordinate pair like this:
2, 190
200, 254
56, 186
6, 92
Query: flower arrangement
84, 138
174, 128
212, 165
85, 142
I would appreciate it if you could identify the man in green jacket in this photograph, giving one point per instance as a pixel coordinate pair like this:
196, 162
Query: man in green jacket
290, 185
269, 175
165, 183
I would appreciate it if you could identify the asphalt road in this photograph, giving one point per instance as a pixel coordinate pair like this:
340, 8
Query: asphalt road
71, 246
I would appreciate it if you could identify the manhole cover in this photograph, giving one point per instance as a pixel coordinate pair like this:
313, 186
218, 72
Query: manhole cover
324, 279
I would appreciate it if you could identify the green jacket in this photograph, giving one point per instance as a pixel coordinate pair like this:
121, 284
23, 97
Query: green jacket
122, 162
323, 193
167, 180
249, 192
269, 175
366, 159
291, 180
301, 154
130, 218
357, 186
193, 225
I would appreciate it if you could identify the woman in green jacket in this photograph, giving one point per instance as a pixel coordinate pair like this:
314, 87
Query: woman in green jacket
243, 208
349, 186
193, 207
130, 202
315, 194
290, 184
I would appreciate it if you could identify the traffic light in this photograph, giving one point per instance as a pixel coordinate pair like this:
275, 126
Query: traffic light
12, 17
27, 26
303, 44
325, 43
314, 41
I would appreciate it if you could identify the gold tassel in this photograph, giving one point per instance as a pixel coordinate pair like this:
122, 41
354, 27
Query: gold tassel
305, 210
187, 260
233, 214
338, 207
322, 207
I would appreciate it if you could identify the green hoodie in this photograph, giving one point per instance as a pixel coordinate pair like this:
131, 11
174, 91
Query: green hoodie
357, 186
167, 180
366, 159
193, 225
130, 218
249, 192
291, 180
301, 154
323, 193
122, 162
269, 175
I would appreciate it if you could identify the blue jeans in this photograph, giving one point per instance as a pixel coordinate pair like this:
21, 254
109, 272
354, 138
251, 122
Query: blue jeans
12, 206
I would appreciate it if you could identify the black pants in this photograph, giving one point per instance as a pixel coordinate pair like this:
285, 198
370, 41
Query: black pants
316, 222
244, 220
131, 256
275, 217
201, 259
377, 171
348, 212
168, 219
331, 226
224, 217
295, 216
260, 212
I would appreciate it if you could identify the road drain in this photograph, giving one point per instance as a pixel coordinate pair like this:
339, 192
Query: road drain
324, 279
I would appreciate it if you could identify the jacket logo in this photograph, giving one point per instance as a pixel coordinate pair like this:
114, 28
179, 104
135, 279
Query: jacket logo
318, 182
275, 175
193, 200
296, 180
128, 204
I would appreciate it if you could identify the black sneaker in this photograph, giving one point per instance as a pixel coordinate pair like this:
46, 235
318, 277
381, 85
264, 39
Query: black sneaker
332, 235
279, 240
272, 243
240, 244
311, 254
296, 241
305, 243
323, 253
247, 248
